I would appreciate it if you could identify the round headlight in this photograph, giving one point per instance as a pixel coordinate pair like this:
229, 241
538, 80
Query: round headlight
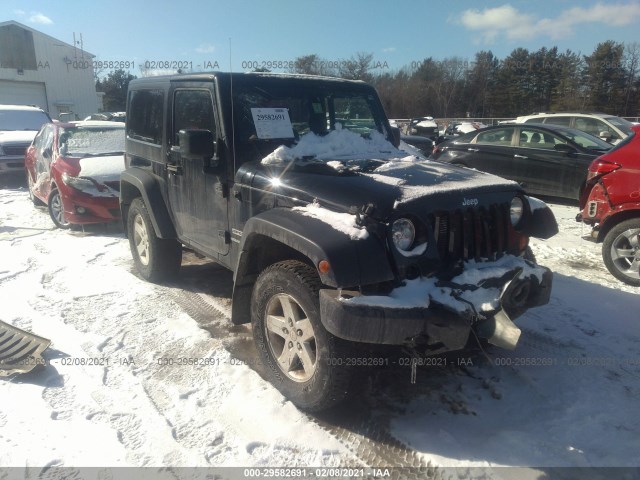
403, 233
516, 211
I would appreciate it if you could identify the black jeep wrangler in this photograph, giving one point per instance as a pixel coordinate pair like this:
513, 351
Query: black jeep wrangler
334, 234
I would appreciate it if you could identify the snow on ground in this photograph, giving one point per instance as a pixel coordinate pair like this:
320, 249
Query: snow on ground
567, 396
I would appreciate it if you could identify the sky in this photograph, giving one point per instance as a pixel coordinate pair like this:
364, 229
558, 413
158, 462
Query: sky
244, 34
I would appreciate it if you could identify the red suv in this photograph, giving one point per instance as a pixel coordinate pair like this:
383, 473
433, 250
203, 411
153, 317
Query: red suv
611, 204
74, 168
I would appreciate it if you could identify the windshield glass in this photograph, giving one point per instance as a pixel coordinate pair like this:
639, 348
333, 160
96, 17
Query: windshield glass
621, 123
85, 141
321, 123
585, 140
22, 120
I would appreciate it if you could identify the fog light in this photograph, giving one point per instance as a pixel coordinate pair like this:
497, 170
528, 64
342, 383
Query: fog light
81, 210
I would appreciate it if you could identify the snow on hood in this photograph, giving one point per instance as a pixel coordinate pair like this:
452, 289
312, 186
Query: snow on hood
343, 222
420, 292
447, 180
102, 168
337, 144
17, 136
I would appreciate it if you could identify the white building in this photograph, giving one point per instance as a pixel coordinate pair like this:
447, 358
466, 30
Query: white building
36, 69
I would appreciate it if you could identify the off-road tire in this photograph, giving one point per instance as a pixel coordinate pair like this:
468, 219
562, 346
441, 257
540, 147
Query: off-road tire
156, 259
35, 200
617, 238
298, 283
56, 209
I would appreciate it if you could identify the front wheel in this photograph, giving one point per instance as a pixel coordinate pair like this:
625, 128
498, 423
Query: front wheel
302, 359
621, 251
56, 209
155, 258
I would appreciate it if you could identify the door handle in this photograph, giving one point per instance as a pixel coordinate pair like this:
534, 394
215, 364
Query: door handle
520, 156
473, 149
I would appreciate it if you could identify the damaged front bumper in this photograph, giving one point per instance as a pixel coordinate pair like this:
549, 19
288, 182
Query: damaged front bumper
452, 310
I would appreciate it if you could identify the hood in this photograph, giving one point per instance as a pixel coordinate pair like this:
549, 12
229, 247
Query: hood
102, 169
406, 184
17, 136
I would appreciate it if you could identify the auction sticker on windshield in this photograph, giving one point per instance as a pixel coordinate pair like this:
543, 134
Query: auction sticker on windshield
272, 123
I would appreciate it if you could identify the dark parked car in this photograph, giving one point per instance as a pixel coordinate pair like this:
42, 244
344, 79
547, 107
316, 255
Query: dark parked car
545, 159
74, 169
423, 127
334, 235
611, 204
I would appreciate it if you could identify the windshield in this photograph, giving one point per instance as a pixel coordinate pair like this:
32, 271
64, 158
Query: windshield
585, 140
328, 121
91, 141
621, 123
22, 119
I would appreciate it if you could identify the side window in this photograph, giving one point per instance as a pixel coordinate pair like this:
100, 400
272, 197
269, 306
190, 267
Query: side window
600, 126
144, 117
564, 121
592, 126
192, 109
39, 138
500, 136
532, 138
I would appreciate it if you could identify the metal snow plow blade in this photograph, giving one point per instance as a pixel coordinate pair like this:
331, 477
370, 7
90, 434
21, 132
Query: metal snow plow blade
20, 351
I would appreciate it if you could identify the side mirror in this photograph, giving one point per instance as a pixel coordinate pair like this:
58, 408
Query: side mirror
395, 136
198, 144
563, 147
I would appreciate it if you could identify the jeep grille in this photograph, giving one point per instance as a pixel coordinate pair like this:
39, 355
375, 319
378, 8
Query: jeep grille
472, 233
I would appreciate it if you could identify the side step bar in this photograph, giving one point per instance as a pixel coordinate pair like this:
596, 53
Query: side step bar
20, 351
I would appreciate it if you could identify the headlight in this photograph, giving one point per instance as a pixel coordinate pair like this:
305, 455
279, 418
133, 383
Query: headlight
403, 233
79, 183
516, 211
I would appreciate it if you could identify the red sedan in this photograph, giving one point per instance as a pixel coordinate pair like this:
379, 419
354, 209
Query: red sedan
74, 168
610, 203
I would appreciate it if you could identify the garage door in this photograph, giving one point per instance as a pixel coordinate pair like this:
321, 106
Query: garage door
23, 93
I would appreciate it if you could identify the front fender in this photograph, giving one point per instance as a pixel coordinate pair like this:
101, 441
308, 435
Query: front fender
353, 262
540, 222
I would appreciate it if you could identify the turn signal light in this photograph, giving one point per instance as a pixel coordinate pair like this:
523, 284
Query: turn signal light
323, 266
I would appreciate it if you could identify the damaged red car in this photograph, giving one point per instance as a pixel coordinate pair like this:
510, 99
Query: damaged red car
74, 168
610, 203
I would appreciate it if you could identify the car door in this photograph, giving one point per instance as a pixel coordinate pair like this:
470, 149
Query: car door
43, 156
493, 152
198, 193
545, 170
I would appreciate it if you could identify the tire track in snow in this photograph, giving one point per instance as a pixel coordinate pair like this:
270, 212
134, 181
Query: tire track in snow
368, 440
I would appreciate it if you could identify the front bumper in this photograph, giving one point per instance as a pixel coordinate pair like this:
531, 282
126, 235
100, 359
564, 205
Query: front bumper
9, 164
94, 209
444, 325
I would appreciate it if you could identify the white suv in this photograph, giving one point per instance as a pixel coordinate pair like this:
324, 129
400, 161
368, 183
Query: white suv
18, 125
609, 128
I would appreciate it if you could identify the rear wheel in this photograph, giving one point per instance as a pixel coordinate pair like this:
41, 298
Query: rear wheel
56, 209
302, 359
155, 258
621, 251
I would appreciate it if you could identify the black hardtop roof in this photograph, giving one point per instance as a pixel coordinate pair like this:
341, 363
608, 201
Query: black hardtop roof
241, 77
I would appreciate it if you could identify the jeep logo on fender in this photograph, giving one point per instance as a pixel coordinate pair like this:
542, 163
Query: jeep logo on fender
469, 201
